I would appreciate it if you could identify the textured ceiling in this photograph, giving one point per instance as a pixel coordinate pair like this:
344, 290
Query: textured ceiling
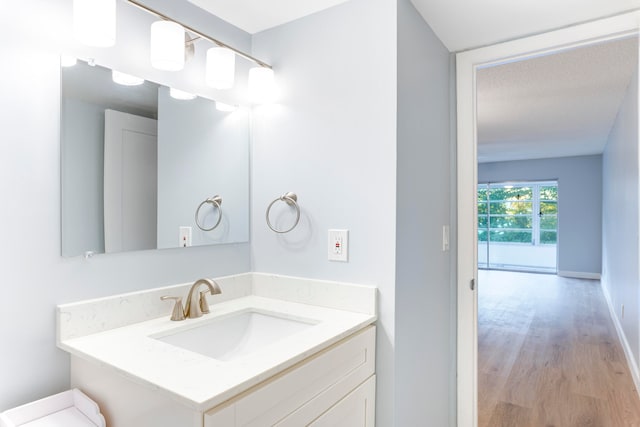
254, 16
555, 105
465, 24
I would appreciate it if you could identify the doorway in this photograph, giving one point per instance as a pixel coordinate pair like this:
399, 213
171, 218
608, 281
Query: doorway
467, 64
518, 226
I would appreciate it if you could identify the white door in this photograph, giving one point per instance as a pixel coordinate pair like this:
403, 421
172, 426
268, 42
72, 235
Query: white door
130, 182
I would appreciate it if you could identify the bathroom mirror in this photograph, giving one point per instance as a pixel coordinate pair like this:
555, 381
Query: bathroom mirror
137, 163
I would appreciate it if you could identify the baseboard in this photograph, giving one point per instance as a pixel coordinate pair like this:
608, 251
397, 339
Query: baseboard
579, 275
631, 361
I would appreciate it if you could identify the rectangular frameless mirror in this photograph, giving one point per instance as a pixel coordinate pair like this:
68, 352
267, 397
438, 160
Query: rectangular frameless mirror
137, 164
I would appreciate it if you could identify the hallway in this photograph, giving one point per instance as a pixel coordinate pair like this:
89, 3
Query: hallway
549, 355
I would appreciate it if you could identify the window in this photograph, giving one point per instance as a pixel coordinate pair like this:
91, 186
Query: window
523, 213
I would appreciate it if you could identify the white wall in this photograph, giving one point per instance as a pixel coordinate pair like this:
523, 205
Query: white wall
579, 204
620, 273
424, 363
33, 275
331, 140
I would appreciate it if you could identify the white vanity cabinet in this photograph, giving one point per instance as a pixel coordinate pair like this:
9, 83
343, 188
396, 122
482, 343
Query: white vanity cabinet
335, 387
277, 351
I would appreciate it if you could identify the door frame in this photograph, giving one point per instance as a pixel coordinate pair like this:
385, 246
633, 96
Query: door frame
467, 63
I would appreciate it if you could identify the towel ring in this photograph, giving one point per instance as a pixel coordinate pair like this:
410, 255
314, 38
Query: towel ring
292, 200
215, 201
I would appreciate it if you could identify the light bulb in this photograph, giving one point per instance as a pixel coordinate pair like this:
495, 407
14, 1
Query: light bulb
167, 46
126, 79
261, 85
94, 22
221, 68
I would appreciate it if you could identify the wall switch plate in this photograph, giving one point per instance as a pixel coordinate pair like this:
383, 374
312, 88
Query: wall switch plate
445, 238
185, 237
338, 249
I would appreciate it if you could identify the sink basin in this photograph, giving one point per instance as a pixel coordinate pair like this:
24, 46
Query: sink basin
237, 335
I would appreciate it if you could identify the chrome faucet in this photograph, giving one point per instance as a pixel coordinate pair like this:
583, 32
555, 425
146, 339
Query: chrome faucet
197, 301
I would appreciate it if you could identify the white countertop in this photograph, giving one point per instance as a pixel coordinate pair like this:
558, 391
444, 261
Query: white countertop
201, 382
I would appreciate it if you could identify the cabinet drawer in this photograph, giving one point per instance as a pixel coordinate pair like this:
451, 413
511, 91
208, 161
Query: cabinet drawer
357, 409
332, 373
348, 408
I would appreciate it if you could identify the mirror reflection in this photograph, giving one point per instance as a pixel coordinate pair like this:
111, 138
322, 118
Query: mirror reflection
138, 161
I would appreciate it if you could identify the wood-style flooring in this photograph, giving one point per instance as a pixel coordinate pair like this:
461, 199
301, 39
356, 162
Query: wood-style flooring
549, 355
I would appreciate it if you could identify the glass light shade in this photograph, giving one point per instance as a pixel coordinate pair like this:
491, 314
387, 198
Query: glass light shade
221, 106
94, 22
221, 68
181, 95
167, 46
262, 88
68, 61
126, 79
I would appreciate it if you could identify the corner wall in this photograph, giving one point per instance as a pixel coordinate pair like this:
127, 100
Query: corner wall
424, 364
621, 216
579, 204
331, 140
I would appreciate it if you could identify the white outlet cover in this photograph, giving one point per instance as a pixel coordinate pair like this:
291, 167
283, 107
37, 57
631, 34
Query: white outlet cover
338, 245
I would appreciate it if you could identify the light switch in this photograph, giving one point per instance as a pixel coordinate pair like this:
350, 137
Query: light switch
338, 249
185, 237
445, 238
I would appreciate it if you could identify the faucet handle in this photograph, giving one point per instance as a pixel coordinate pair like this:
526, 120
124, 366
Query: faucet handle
204, 305
178, 311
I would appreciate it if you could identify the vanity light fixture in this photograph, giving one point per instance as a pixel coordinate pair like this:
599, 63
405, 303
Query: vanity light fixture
221, 106
167, 46
264, 89
68, 61
126, 79
261, 85
181, 95
94, 22
221, 68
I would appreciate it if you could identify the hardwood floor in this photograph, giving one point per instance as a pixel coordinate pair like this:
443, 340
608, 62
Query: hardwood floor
549, 355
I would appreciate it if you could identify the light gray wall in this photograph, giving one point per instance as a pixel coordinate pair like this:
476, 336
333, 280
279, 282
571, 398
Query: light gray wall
579, 203
33, 276
620, 274
82, 177
202, 152
331, 140
423, 369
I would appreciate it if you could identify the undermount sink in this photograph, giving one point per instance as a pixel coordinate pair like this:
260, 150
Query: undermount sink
240, 334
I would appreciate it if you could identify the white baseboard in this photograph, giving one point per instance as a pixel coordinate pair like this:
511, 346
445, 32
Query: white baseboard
631, 361
579, 275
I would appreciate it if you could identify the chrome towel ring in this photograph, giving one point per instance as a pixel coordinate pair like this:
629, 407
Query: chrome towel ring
292, 200
216, 201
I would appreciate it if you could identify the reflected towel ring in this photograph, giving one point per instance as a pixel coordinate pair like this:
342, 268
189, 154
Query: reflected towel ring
215, 201
292, 200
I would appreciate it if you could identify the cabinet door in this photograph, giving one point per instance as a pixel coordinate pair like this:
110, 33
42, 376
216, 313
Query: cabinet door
357, 409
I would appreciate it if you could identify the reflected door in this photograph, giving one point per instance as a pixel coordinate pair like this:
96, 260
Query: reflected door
130, 182
518, 226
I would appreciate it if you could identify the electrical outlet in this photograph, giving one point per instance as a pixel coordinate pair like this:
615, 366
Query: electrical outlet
338, 248
185, 237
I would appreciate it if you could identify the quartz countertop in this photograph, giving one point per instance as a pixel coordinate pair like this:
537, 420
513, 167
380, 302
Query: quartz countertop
201, 382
